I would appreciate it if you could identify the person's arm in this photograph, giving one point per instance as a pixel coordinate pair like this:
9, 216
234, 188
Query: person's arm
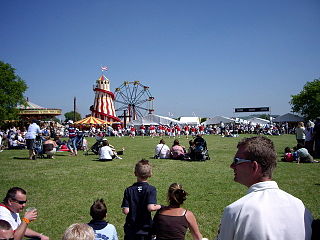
153, 207
193, 226
125, 210
31, 233
20, 232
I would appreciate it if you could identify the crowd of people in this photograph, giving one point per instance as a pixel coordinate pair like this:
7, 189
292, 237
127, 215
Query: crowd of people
265, 212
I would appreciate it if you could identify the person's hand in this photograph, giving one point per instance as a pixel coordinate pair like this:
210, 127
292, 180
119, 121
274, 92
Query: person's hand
31, 215
44, 237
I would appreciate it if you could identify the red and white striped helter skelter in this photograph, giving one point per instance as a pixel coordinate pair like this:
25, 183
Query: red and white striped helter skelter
103, 106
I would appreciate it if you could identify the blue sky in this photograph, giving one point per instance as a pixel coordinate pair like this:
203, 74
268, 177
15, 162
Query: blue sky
203, 57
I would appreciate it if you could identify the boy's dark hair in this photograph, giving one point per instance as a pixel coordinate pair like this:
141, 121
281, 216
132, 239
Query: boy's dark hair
287, 150
98, 210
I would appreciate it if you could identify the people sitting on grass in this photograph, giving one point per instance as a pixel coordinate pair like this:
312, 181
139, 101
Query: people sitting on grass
105, 152
177, 151
162, 150
79, 231
102, 229
14, 203
288, 155
173, 221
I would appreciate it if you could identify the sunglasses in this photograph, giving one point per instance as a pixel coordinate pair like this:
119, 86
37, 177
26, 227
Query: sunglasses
20, 202
237, 161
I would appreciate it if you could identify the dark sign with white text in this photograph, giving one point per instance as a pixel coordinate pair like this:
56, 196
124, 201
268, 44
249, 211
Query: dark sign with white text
258, 109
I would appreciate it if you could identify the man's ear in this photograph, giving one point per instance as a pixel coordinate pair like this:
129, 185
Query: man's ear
256, 168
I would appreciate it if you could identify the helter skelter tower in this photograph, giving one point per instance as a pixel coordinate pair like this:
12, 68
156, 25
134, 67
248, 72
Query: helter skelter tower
103, 106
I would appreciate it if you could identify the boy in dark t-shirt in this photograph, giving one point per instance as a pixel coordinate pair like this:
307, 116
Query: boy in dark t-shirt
138, 202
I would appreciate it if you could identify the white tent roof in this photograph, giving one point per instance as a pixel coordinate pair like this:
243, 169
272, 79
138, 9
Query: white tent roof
260, 121
161, 119
217, 120
288, 117
153, 119
190, 120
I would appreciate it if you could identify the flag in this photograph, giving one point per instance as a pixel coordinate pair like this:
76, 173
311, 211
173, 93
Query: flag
105, 68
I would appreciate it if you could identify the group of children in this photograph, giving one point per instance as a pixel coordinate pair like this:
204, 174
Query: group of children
298, 154
138, 202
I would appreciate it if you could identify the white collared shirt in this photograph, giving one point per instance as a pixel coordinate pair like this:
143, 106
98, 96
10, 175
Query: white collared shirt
266, 213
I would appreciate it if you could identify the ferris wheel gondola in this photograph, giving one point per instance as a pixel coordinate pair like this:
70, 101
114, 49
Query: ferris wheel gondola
135, 99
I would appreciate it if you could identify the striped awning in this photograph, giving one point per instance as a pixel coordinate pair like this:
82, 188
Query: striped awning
91, 120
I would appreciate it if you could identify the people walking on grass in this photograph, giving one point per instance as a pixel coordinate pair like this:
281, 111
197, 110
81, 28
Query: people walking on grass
138, 202
72, 143
266, 212
14, 203
102, 229
33, 131
173, 221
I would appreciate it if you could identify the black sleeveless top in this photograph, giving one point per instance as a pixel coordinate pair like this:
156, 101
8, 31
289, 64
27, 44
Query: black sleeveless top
170, 227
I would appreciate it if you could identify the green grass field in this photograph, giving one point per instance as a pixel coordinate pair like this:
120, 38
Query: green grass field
63, 189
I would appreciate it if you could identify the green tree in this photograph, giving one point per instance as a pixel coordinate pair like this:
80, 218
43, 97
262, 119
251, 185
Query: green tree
70, 116
12, 88
307, 102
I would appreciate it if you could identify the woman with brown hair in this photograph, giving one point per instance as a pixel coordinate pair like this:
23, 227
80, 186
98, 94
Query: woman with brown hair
173, 221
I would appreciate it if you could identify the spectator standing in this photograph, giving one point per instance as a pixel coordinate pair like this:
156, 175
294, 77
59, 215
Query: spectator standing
102, 229
316, 135
72, 143
309, 143
300, 134
266, 212
138, 202
33, 131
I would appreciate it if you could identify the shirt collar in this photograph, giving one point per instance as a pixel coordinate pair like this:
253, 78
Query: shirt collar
262, 186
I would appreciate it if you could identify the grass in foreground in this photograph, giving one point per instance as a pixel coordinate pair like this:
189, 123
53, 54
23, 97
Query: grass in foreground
64, 188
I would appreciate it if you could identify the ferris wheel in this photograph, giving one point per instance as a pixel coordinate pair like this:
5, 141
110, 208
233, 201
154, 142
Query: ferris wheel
133, 100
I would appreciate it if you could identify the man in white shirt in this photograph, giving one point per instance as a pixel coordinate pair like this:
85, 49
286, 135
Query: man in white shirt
162, 150
266, 212
14, 203
33, 130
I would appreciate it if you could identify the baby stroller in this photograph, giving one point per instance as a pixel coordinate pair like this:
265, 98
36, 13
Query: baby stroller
38, 147
200, 150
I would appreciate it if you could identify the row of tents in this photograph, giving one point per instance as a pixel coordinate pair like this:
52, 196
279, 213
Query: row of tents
154, 119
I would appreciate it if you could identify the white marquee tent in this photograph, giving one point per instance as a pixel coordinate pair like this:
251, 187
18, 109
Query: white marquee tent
190, 120
217, 120
153, 119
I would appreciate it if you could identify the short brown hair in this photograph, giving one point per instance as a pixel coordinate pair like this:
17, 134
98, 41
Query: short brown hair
143, 169
260, 149
98, 210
